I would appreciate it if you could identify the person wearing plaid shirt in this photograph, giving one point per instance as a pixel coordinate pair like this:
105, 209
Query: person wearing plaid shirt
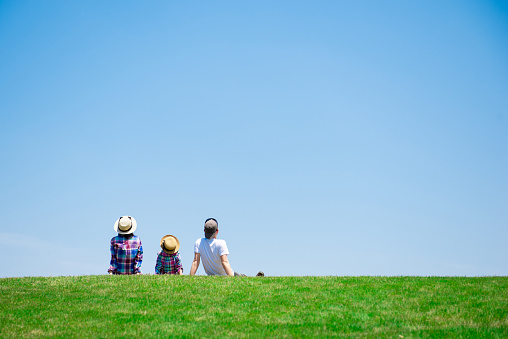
126, 248
168, 260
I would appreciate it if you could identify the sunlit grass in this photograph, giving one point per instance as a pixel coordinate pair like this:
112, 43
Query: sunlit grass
161, 306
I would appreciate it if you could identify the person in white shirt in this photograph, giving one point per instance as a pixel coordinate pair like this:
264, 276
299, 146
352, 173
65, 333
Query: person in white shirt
214, 253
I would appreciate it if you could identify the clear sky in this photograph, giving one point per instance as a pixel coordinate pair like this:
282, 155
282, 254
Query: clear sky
327, 137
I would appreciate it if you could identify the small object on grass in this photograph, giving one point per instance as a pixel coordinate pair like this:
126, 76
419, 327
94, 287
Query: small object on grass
260, 274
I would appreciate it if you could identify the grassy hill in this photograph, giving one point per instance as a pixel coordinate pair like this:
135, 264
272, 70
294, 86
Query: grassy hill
162, 306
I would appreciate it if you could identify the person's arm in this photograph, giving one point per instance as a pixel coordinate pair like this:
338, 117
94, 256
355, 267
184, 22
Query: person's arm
158, 264
226, 265
179, 265
112, 263
195, 263
138, 259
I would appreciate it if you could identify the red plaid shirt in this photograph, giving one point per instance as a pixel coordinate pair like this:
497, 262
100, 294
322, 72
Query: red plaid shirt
126, 254
168, 263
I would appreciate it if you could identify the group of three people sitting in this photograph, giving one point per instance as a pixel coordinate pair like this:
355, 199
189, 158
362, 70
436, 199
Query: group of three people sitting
127, 252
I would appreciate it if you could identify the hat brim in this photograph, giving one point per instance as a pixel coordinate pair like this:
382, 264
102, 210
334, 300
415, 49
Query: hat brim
131, 230
177, 244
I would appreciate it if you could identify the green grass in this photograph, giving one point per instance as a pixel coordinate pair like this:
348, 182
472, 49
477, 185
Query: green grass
162, 306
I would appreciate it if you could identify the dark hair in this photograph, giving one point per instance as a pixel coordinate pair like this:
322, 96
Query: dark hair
209, 231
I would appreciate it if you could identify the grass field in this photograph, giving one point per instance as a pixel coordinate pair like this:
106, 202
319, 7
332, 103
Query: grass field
162, 306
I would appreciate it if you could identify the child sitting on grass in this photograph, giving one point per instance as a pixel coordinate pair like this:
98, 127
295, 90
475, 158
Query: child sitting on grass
168, 260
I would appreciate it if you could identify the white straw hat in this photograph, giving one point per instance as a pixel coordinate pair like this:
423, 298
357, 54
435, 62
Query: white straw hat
125, 225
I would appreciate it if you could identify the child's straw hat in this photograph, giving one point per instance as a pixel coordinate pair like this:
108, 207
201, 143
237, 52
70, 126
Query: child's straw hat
170, 244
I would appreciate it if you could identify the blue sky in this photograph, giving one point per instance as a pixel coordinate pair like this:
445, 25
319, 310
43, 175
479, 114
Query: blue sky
328, 138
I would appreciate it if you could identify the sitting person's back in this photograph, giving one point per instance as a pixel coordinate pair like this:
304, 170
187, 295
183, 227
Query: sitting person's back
168, 260
214, 253
211, 251
126, 249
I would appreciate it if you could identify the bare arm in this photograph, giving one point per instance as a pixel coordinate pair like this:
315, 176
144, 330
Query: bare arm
195, 263
226, 265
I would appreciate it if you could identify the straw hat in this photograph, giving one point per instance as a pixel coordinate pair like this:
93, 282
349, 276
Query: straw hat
125, 225
170, 244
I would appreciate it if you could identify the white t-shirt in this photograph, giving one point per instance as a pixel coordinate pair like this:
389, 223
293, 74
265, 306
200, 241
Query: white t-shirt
210, 251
